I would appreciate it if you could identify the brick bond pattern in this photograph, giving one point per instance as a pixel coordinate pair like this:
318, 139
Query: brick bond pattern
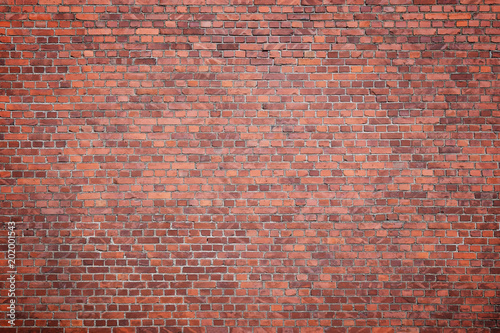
252, 165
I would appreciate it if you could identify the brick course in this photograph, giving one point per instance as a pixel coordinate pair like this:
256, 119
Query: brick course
216, 166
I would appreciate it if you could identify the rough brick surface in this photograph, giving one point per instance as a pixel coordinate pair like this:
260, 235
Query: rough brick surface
217, 166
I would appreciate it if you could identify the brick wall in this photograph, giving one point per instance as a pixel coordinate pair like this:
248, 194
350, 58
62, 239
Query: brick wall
291, 166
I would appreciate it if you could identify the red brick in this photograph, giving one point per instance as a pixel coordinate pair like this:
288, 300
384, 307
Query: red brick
312, 2
251, 165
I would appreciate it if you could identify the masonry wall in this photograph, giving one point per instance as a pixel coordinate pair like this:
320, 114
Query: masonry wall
251, 165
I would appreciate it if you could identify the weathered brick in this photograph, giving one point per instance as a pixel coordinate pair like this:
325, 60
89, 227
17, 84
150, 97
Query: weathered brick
216, 166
